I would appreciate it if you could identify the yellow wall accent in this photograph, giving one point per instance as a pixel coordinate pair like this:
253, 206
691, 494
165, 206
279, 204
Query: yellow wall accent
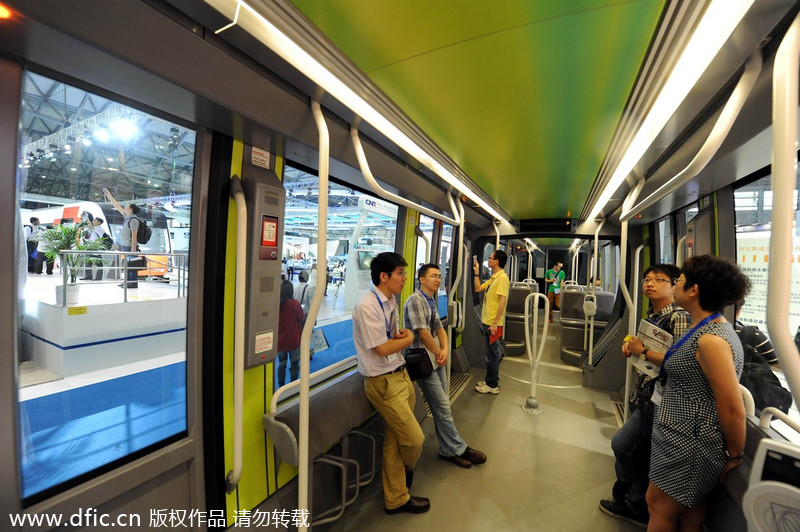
410, 254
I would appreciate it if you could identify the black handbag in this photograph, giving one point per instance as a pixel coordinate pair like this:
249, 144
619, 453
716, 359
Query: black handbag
418, 363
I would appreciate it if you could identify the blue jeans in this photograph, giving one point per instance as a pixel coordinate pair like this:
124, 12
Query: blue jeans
294, 370
432, 386
494, 352
631, 446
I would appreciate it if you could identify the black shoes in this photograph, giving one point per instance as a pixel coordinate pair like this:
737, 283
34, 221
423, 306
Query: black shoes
415, 505
130, 285
620, 510
85, 279
458, 460
467, 458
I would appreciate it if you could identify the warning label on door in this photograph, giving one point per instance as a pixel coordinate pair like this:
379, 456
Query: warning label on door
264, 341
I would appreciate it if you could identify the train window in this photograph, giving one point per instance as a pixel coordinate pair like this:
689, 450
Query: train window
102, 367
359, 227
445, 253
426, 226
664, 250
753, 206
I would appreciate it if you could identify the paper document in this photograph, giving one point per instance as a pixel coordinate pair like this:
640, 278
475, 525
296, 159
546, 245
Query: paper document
655, 339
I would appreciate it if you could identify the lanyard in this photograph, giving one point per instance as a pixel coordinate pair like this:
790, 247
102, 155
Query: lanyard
388, 326
671, 351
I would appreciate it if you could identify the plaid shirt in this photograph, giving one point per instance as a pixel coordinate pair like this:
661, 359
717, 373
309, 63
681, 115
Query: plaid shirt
419, 312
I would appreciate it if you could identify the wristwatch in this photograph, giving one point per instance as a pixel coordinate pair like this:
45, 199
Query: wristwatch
643, 354
730, 457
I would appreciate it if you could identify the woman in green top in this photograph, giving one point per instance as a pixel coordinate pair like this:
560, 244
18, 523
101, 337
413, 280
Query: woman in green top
555, 277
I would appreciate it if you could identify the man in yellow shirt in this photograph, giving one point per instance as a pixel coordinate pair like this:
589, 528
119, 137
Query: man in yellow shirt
493, 317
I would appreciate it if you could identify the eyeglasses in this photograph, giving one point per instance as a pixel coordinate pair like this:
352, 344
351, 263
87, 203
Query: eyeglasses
400, 273
650, 280
437, 276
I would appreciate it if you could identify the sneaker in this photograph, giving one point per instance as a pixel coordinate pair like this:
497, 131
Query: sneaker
483, 388
620, 510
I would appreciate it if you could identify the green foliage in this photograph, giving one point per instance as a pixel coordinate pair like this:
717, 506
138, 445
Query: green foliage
67, 237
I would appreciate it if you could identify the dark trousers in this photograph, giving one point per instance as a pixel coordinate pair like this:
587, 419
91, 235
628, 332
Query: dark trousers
40, 259
31, 261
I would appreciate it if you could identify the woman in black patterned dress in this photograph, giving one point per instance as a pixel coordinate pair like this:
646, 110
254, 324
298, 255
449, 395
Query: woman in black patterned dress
699, 430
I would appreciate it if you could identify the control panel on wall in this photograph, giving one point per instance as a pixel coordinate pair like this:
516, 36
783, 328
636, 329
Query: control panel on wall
265, 212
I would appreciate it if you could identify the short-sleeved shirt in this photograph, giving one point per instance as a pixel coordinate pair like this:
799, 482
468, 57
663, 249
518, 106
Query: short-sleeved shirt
420, 312
558, 279
130, 225
374, 323
496, 286
304, 293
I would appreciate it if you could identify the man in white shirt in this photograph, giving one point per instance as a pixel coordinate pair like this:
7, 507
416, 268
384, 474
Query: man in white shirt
379, 345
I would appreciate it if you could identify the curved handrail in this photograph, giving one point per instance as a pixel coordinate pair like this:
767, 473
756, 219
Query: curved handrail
680, 252
452, 308
593, 288
749, 402
464, 292
382, 192
496, 225
784, 159
237, 192
321, 374
637, 257
769, 412
532, 404
419, 233
718, 134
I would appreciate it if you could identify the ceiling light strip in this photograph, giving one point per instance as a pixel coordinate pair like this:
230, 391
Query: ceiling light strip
267, 33
716, 26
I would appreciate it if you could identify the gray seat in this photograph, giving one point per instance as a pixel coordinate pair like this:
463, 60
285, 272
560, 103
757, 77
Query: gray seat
515, 318
573, 321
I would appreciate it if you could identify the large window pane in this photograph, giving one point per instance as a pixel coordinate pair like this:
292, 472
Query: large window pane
664, 240
359, 227
753, 204
101, 374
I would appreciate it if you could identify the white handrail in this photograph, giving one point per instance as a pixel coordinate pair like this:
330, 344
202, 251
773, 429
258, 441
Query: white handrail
496, 224
240, 300
464, 287
749, 402
452, 308
385, 194
784, 159
303, 476
347, 363
718, 134
593, 287
419, 233
769, 412
637, 257
680, 252
532, 403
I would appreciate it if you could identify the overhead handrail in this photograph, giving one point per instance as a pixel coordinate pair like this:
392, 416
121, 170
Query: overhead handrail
718, 134
303, 476
496, 224
532, 403
784, 159
240, 314
637, 257
680, 252
593, 287
382, 192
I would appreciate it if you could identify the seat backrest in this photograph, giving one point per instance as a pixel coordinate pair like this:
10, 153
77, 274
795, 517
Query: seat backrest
517, 294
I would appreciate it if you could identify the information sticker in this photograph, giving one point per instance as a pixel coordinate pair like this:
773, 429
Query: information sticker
264, 341
260, 158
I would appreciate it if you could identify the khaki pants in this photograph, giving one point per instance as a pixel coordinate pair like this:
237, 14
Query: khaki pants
393, 397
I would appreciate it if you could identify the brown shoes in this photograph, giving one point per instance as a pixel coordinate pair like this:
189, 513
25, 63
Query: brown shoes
414, 505
474, 456
460, 461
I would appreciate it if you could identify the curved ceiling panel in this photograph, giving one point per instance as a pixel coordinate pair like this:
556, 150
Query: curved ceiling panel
524, 96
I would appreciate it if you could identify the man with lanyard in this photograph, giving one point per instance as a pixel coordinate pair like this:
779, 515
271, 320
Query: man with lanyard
492, 318
555, 279
379, 345
631, 443
421, 316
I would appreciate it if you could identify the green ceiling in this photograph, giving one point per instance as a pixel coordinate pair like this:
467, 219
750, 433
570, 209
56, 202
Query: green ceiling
524, 95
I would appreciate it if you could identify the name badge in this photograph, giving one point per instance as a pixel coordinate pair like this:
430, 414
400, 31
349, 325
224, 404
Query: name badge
394, 357
657, 393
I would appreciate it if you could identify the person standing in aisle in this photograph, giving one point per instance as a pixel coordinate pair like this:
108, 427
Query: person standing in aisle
493, 315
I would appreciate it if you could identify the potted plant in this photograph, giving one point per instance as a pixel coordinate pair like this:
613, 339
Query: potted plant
68, 237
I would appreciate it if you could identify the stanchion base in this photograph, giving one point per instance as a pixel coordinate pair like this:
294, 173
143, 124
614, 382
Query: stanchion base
531, 406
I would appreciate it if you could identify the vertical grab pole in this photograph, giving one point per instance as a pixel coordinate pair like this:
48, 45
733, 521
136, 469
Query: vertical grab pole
623, 282
593, 288
637, 256
240, 299
532, 403
784, 162
452, 293
303, 473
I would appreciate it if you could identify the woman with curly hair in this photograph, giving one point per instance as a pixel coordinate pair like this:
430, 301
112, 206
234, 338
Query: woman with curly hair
699, 430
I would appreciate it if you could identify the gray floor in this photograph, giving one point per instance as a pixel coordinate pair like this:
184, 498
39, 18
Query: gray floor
545, 471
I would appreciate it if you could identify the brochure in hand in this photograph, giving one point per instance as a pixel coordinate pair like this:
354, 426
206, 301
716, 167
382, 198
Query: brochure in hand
654, 338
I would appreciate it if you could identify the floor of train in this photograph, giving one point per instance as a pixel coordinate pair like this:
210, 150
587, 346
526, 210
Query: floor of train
544, 471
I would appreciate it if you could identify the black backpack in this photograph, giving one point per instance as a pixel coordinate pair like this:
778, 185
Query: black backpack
106, 241
144, 232
762, 382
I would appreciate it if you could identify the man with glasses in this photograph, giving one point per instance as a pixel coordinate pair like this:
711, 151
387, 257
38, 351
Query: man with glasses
631, 443
493, 317
379, 343
421, 315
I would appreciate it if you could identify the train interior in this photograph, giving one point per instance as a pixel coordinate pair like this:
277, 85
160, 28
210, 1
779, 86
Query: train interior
266, 142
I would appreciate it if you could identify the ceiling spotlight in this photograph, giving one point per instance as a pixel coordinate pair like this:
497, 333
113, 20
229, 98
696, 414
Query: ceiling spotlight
86, 138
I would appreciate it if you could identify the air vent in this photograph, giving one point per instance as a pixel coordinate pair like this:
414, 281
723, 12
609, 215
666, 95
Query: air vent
546, 225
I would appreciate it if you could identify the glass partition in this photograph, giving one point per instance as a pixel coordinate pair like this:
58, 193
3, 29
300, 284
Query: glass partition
102, 367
